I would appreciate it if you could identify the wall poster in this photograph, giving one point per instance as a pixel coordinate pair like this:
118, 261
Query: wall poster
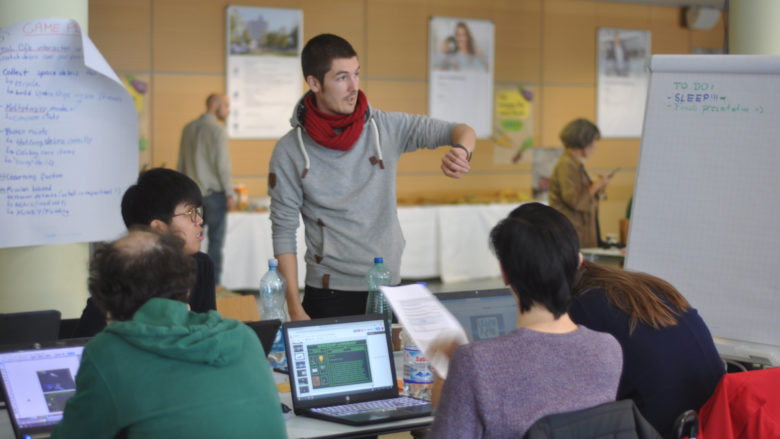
513, 130
263, 70
623, 57
460, 66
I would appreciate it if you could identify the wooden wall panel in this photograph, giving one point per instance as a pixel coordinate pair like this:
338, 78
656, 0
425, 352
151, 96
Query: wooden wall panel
122, 32
177, 100
397, 39
189, 36
615, 153
345, 18
623, 16
518, 40
569, 42
561, 104
408, 96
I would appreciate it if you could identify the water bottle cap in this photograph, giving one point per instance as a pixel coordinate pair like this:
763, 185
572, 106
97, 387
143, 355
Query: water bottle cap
273, 263
379, 260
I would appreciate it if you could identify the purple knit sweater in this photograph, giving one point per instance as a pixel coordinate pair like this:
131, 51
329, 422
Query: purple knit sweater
498, 388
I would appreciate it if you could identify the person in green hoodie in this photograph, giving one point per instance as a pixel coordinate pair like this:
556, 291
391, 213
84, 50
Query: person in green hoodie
160, 370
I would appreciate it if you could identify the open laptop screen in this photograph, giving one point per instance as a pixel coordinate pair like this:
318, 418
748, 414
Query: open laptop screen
38, 383
333, 359
484, 314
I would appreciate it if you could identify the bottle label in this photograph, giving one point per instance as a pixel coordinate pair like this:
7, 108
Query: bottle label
277, 356
417, 370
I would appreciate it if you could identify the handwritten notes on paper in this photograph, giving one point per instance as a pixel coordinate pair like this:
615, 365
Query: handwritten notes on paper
707, 97
69, 137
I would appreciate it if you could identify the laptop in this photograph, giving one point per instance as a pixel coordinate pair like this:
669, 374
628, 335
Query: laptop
37, 381
341, 369
484, 314
29, 327
266, 331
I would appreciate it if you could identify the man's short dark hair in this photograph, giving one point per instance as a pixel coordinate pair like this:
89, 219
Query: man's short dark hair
579, 133
538, 250
155, 196
319, 53
126, 273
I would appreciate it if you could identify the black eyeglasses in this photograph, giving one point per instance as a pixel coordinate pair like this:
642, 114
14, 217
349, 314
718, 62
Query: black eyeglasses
194, 213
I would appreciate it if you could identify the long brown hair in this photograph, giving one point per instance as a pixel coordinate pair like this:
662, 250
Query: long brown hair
645, 298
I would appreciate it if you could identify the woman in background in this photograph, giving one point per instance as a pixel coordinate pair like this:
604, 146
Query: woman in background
572, 192
670, 363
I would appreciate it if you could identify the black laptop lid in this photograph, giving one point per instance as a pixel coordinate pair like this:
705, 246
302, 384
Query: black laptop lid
29, 327
266, 331
339, 360
37, 381
484, 314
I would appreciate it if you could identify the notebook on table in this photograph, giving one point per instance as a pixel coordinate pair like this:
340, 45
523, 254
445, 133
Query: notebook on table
484, 314
266, 331
37, 381
341, 369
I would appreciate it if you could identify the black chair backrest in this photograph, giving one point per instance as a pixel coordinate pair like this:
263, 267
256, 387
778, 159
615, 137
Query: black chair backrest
618, 420
687, 425
29, 327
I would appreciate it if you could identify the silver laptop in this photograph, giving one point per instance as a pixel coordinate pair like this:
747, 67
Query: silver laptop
484, 314
341, 370
37, 381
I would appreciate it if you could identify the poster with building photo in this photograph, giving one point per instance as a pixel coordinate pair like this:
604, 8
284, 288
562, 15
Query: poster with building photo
460, 66
263, 70
622, 80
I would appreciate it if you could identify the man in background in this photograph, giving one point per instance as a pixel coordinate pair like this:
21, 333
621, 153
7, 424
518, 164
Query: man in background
204, 156
337, 169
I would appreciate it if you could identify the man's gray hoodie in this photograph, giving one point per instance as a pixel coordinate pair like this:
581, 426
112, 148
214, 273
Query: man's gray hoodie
347, 198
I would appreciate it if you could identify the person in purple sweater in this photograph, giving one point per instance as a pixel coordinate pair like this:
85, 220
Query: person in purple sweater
499, 388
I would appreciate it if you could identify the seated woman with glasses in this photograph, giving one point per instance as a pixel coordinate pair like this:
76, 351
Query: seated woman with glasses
167, 202
548, 364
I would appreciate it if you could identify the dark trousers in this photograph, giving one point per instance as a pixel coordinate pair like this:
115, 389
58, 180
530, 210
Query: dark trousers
215, 217
319, 302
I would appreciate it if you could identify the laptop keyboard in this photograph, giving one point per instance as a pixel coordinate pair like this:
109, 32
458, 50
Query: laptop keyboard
370, 406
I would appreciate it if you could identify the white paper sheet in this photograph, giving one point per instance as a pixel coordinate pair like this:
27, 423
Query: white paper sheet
70, 137
426, 320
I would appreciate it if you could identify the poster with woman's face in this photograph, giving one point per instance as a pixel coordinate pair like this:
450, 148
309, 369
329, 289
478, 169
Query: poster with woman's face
461, 45
460, 60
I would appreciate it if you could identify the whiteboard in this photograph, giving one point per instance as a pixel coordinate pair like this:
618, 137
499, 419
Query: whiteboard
707, 196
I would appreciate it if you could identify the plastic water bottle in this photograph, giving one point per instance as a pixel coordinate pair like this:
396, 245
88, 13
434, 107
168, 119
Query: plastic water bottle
273, 288
418, 377
379, 276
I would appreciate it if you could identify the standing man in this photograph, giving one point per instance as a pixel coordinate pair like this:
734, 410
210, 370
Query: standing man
204, 156
337, 169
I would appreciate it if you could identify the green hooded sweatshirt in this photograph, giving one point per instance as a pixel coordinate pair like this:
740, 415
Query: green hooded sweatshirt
171, 373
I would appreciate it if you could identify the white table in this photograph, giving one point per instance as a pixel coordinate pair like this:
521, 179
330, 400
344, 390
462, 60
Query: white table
449, 242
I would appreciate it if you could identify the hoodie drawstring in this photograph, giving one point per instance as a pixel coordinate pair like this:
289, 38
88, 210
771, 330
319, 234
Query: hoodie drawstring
307, 162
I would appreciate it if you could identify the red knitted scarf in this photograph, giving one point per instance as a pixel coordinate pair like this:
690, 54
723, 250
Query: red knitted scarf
322, 127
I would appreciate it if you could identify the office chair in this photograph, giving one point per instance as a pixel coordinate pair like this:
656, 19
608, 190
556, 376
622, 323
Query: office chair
29, 327
619, 419
686, 426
